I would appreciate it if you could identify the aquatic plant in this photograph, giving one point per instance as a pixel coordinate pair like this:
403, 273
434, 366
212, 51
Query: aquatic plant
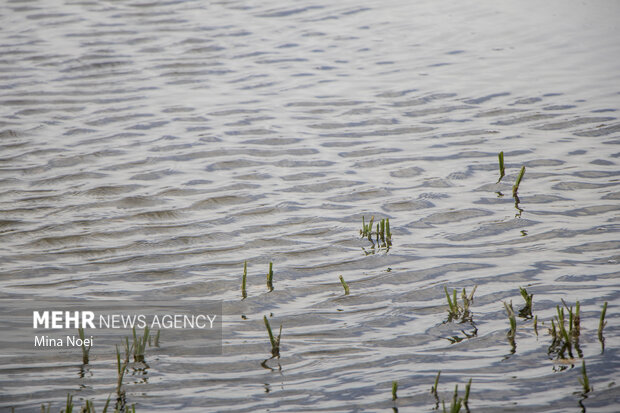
536, 324
456, 311
456, 404
526, 311
69, 404
244, 293
121, 368
565, 333
366, 230
394, 389
382, 233
344, 285
139, 344
434, 389
585, 382
511, 317
601, 325
270, 277
275, 342
515, 187
502, 171
467, 391
154, 341
85, 350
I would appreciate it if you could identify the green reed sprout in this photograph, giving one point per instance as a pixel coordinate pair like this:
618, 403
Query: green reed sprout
602, 323
344, 285
455, 310
434, 387
526, 311
139, 344
515, 187
585, 383
270, 277
536, 324
244, 279
394, 390
502, 171
85, 350
275, 342
467, 390
513, 320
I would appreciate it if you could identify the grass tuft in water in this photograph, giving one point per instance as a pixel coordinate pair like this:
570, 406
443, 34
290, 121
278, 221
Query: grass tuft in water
585, 382
466, 398
270, 277
601, 325
344, 285
382, 233
394, 390
456, 311
139, 344
85, 350
244, 280
565, 332
502, 171
536, 324
515, 187
275, 342
526, 311
434, 388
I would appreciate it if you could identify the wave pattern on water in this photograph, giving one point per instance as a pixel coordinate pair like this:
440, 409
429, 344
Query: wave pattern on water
148, 149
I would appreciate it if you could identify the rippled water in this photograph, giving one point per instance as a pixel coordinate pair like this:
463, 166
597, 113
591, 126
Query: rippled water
149, 148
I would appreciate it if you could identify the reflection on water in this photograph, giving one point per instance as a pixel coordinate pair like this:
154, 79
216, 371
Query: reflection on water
147, 149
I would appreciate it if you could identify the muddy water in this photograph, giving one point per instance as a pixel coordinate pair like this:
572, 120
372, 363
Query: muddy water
148, 148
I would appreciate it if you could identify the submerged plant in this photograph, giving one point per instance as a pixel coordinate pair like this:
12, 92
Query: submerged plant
565, 333
275, 342
344, 285
456, 404
85, 350
434, 389
382, 233
456, 311
244, 293
513, 326
270, 277
601, 325
139, 344
526, 311
585, 382
394, 390
502, 171
515, 187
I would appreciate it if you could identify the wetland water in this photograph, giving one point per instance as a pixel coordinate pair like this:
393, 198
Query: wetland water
148, 148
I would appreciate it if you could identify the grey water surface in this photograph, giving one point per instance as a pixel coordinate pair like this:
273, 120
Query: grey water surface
149, 148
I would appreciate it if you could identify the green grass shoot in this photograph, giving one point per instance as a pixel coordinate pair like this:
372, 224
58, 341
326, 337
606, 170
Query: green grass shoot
602, 323
270, 277
139, 344
467, 390
394, 390
502, 171
513, 320
244, 293
585, 382
85, 350
434, 387
344, 285
275, 342
515, 187
526, 311
536, 324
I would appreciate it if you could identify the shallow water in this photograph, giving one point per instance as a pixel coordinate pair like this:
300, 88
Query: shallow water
149, 148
